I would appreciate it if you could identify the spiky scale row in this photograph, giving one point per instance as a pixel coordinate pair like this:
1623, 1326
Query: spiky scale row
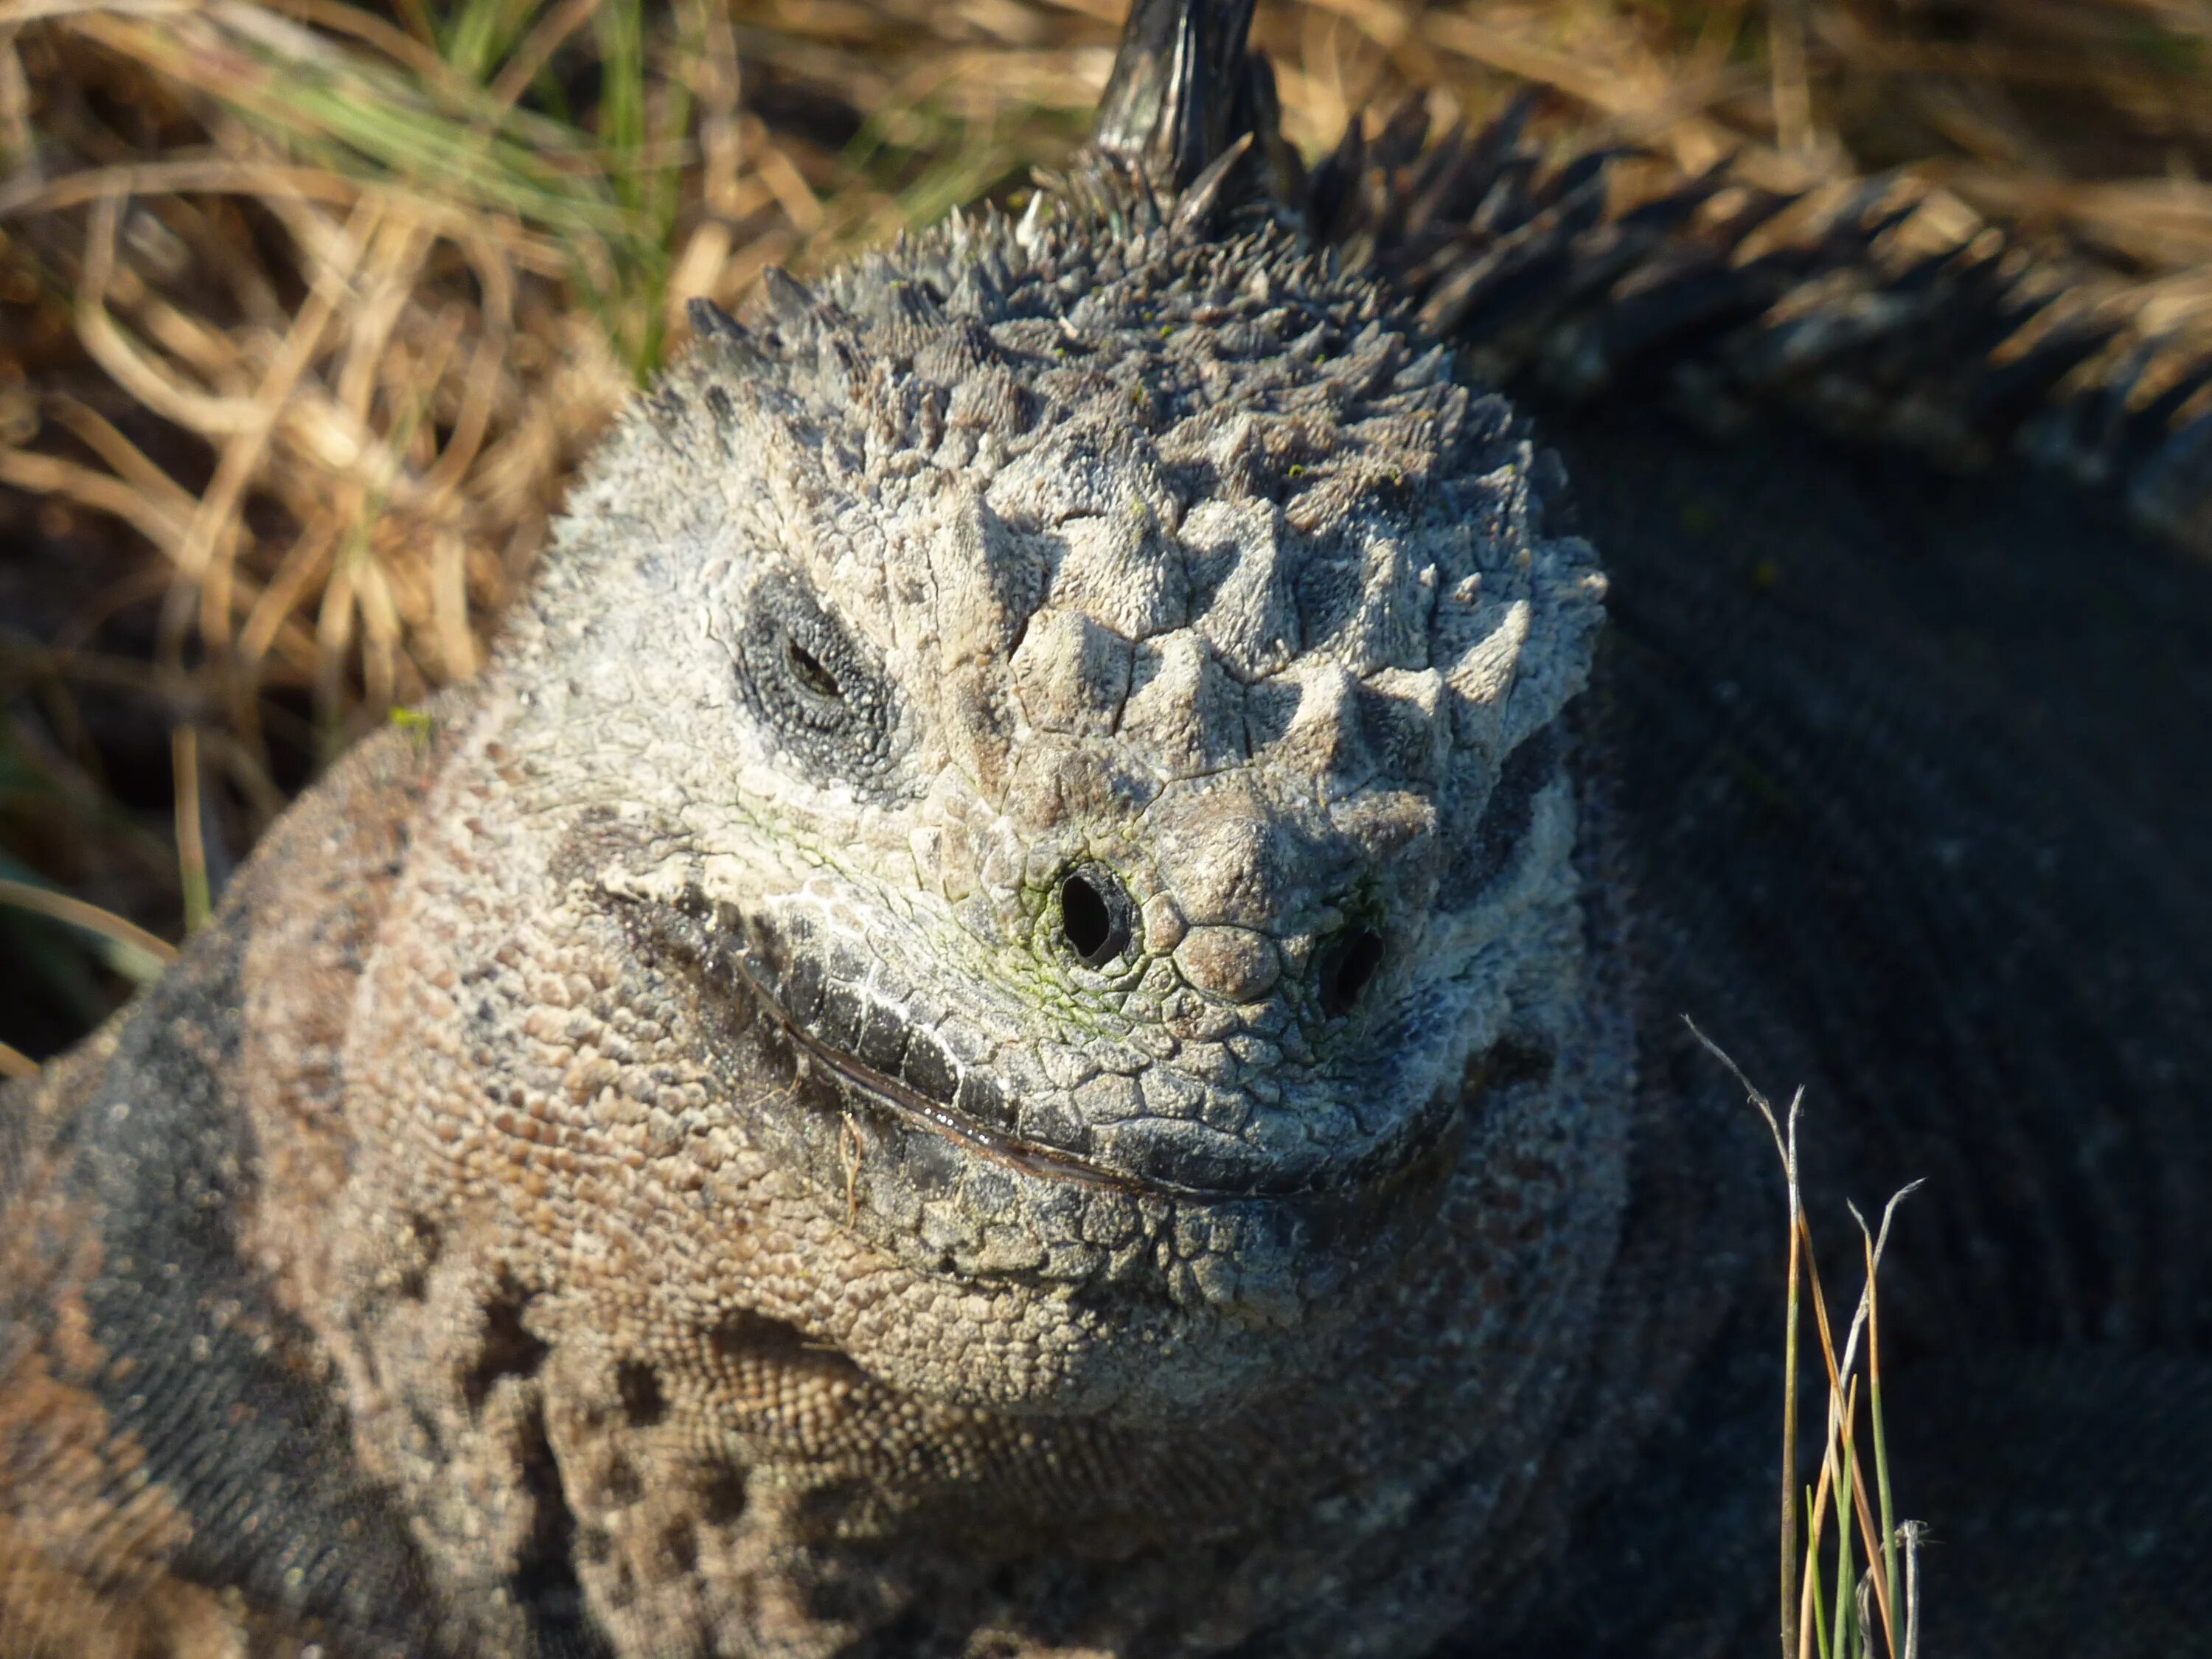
1223, 456
1881, 309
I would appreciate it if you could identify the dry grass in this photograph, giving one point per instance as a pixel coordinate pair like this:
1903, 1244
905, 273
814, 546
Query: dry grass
307, 309
1824, 1606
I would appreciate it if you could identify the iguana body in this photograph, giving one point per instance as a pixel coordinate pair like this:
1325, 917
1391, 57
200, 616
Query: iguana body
1031, 1014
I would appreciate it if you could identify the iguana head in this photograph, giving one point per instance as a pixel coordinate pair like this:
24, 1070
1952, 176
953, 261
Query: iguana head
1093, 689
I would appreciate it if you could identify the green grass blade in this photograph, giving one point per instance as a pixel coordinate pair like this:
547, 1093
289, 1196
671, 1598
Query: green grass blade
619, 27
1812, 1579
479, 33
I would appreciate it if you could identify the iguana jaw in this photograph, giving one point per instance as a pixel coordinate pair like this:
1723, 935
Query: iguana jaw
851, 1057
1416, 1139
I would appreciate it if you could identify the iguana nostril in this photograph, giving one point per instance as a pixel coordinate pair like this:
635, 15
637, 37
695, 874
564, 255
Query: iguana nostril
1346, 967
1094, 917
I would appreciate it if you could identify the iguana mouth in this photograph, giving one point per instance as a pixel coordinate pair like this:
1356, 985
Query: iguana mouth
853, 1052
1029, 1157
902, 1101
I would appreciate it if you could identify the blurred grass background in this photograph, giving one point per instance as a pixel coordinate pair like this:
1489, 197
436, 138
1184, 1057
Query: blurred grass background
307, 307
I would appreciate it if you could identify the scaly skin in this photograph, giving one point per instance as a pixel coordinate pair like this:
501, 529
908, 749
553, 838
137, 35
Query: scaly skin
791, 1107
1018, 1019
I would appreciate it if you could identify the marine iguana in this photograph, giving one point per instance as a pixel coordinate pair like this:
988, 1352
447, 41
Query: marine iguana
1034, 1011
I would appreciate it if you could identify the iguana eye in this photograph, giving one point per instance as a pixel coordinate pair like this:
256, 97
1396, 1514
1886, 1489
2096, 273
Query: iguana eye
819, 690
811, 674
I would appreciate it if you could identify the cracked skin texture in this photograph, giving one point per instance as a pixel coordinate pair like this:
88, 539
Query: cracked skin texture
1032, 1013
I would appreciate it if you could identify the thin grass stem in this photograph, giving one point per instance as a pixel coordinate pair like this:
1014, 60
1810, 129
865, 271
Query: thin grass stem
1910, 1535
1868, 1535
191, 845
1813, 1622
1785, 1147
1888, 1580
1840, 1427
1789, 1431
60, 907
1874, 1246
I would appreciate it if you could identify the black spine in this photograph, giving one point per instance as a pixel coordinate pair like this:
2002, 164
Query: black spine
1182, 89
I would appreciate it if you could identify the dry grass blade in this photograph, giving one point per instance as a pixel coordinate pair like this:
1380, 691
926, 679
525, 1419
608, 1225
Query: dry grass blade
1793, 92
1793, 1612
1888, 1583
77, 913
1909, 1536
1811, 1623
191, 847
